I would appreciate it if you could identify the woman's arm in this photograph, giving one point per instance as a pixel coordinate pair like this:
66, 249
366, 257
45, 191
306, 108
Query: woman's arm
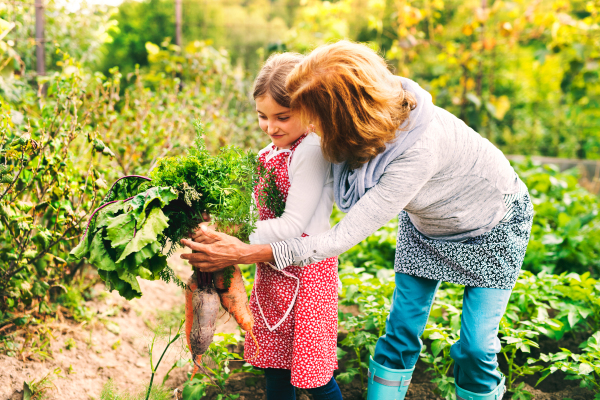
402, 180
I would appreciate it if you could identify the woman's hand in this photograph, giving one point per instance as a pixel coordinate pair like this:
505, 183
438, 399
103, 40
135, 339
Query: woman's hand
218, 250
212, 250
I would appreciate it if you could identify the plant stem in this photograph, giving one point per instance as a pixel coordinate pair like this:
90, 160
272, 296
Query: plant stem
510, 368
357, 351
171, 341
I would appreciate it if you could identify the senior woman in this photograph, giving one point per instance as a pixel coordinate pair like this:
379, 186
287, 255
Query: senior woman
464, 216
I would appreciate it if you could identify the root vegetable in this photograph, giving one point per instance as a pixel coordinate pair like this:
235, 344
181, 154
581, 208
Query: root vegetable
233, 296
201, 310
234, 299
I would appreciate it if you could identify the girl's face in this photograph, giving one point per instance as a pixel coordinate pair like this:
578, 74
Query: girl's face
282, 126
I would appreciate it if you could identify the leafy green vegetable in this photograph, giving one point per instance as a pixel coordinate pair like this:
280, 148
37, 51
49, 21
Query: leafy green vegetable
127, 236
123, 241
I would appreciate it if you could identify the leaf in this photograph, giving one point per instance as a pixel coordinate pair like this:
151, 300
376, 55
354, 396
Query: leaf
585, 369
164, 195
156, 222
99, 257
437, 346
345, 377
103, 216
194, 392
552, 239
119, 230
511, 340
151, 48
27, 392
80, 251
572, 318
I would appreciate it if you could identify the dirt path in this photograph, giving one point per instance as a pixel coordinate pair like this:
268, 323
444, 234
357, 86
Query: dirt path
115, 347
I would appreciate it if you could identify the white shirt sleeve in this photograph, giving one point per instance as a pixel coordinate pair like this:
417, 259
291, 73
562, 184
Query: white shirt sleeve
308, 173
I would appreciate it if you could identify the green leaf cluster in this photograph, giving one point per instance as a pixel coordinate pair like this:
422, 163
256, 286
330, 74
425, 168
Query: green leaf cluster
220, 185
123, 241
126, 238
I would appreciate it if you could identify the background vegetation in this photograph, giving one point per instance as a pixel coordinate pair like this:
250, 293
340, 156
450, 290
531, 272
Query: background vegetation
120, 95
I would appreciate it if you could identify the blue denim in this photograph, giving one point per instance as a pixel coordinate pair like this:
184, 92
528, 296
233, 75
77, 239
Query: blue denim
279, 387
475, 354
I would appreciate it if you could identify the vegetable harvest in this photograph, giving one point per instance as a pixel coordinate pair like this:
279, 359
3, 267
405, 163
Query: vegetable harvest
128, 235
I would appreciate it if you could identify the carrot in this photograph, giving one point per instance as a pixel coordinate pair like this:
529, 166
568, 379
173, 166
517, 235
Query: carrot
189, 309
233, 296
201, 309
230, 285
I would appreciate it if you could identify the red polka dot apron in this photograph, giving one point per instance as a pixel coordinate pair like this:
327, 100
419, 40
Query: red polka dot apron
295, 310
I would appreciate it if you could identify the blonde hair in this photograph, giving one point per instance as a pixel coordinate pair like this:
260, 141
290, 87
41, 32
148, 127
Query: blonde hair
271, 78
348, 92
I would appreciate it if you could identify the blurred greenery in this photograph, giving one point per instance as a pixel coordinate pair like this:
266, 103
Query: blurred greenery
523, 73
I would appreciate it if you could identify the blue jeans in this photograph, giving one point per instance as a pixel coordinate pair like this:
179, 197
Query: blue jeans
279, 387
475, 354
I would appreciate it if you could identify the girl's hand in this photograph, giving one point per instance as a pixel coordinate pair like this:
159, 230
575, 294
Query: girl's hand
199, 237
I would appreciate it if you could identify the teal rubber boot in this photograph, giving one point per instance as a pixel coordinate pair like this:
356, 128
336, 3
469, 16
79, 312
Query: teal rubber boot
496, 394
386, 383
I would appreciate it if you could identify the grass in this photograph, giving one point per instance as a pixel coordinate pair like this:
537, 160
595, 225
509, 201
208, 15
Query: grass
110, 391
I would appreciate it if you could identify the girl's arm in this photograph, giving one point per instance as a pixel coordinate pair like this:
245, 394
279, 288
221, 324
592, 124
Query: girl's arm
308, 174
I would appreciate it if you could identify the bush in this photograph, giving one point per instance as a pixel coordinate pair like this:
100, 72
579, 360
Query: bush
57, 153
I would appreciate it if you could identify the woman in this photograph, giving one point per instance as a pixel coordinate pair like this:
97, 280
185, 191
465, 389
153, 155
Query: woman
464, 215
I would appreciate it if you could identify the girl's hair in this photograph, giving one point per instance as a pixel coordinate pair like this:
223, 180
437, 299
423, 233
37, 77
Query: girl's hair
349, 93
271, 78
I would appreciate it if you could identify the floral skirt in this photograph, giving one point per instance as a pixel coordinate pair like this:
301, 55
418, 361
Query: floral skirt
491, 260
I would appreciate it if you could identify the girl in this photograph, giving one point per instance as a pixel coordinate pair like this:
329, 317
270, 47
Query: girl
295, 308
464, 214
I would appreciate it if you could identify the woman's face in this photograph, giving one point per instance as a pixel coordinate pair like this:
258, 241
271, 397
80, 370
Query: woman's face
280, 123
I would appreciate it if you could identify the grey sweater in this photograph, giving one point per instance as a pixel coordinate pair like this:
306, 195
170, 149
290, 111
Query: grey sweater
451, 182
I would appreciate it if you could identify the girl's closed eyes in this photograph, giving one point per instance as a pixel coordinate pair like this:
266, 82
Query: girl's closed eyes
279, 122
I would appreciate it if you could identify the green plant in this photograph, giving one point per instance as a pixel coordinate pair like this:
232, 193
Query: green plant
37, 389
565, 236
220, 356
372, 295
518, 339
170, 340
442, 338
46, 191
111, 392
357, 340
268, 194
127, 235
70, 344
584, 367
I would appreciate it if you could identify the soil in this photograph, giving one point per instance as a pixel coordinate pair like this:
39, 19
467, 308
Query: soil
115, 346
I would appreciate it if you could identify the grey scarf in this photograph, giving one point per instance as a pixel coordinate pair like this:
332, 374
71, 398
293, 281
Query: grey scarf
350, 185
